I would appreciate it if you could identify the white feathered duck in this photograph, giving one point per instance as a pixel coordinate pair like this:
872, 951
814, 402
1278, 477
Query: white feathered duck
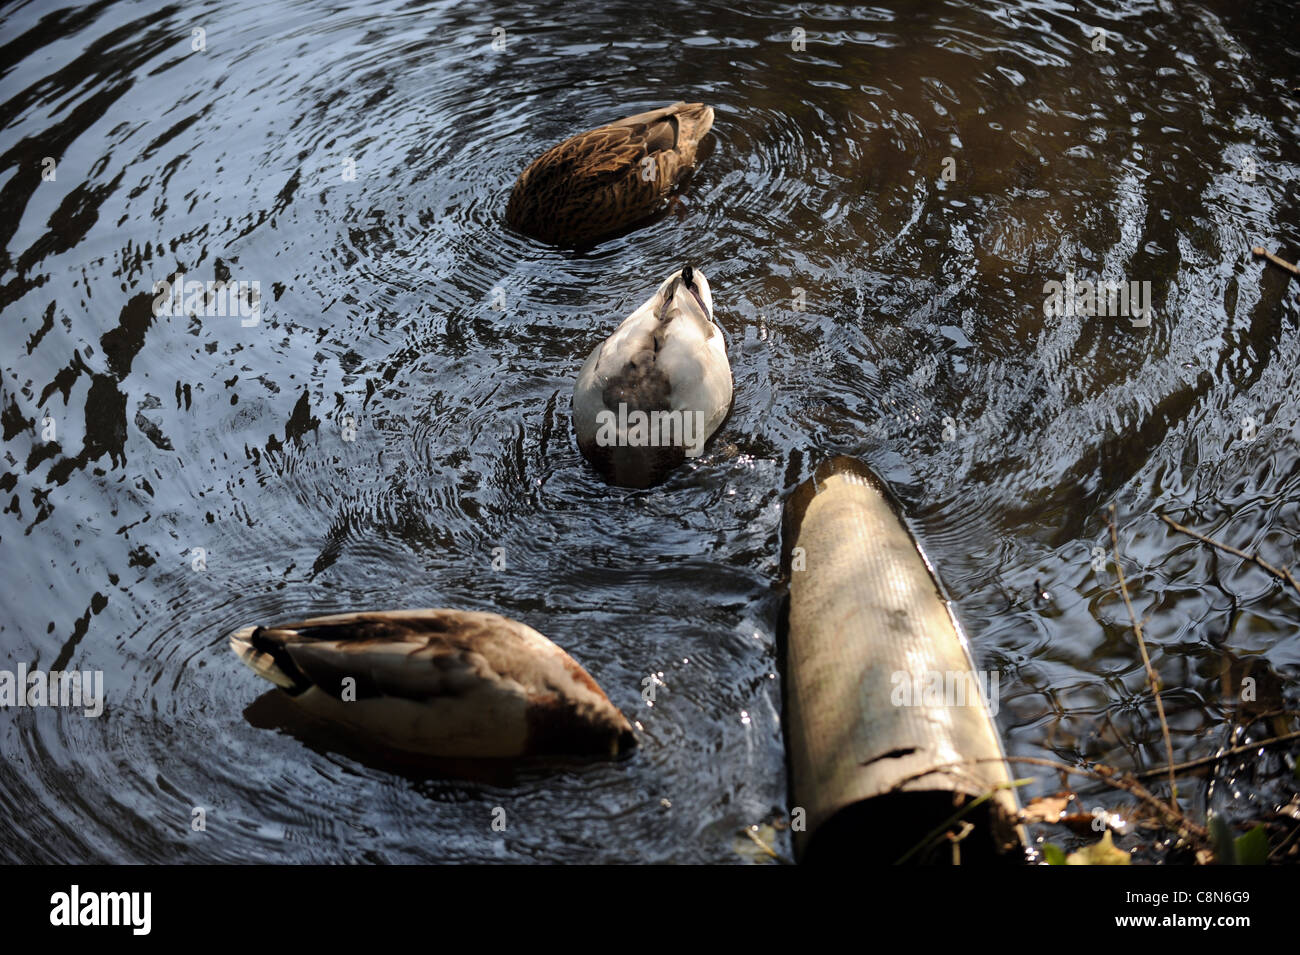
652, 394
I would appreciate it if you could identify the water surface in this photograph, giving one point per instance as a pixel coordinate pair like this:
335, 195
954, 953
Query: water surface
398, 418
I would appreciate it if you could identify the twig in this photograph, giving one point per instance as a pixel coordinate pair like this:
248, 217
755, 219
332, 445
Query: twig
956, 838
1209, 760
1146, 660
1277, 851
1260, 250
937, 832
1128, 785
1284, 574
760, 843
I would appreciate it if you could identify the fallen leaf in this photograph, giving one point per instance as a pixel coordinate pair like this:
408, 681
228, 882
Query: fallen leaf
1099, 853
1048, 809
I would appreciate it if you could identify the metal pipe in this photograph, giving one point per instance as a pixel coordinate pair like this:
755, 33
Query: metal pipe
889, 729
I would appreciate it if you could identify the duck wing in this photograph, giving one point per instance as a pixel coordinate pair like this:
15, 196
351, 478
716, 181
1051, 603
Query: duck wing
410, 653
600, 180
618, 150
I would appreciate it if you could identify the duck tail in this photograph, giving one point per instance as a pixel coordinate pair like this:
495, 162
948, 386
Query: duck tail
260, 658
694, 121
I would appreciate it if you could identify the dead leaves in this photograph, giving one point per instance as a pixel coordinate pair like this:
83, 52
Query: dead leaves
1104, 852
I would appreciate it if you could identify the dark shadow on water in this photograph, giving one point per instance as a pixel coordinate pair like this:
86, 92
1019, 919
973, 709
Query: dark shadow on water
275, 710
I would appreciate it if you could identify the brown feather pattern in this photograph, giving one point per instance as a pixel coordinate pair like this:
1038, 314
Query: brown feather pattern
593, 185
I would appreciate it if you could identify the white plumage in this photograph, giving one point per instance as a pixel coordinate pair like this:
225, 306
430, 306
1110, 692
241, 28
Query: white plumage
652, 393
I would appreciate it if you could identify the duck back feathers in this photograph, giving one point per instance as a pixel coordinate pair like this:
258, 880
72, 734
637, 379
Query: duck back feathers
604, 180
439, 683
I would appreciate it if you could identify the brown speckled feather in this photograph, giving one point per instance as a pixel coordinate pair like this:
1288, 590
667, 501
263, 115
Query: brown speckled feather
596, 183
439, 682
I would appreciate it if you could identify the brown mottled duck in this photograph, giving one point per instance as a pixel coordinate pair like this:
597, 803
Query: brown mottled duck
602, 181
441, 683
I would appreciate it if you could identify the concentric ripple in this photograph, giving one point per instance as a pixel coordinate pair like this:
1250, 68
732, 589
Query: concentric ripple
883, 199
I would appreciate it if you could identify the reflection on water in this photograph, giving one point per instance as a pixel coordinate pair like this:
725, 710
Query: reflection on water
878, 217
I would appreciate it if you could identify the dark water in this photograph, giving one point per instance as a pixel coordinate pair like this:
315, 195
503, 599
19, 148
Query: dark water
923, 300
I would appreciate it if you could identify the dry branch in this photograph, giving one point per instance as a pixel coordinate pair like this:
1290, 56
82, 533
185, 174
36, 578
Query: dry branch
1260, 250
1146, 660
1283, 574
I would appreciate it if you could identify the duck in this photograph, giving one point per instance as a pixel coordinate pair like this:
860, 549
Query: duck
439, 683
651, 394
602, 181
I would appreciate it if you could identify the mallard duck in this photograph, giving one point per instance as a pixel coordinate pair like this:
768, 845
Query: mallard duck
445, 683
652, 393
606, 179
